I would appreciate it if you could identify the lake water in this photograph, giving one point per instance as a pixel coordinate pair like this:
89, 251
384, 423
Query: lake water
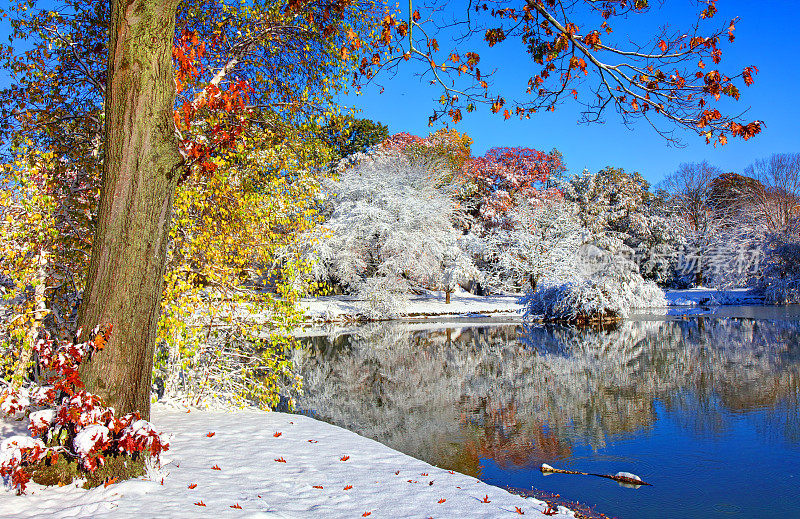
706, 409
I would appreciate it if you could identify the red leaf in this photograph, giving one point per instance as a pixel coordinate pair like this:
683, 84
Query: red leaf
313, 441
519, 510
277, 434
280, 460
235, 506
365, 514
348, 487
215, 467
200, 503
192, 486
442, 500
344, 458
485, 499
316, 486
209, 434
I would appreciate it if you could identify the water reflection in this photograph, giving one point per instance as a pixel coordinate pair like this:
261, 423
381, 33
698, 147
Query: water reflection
457, 397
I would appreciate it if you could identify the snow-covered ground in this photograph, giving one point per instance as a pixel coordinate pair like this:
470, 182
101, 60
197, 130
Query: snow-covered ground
272, 465
432, 303
711, 297
333, 309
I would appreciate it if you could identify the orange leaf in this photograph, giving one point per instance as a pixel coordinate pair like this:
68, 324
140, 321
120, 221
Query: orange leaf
519, 510
110, 482
192, 486
507, 115
442, 500
365, 514
235, 506
485, 499
215, 467
200, 503
348, 487
277, 434
280, 460
344, 458
209, 434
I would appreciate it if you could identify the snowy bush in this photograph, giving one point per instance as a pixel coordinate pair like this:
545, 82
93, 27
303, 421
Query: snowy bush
780, 277
74, 423
609, 289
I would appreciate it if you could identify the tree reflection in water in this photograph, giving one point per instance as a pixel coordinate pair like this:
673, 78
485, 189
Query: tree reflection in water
523, 396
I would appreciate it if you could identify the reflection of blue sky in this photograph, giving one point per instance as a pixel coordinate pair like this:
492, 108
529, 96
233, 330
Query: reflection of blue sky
732, 472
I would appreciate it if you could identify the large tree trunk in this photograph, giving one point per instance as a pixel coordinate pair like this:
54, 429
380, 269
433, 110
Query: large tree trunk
126, 273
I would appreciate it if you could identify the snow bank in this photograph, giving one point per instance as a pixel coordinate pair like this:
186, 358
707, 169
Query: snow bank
709, 296
274, 465
427, 304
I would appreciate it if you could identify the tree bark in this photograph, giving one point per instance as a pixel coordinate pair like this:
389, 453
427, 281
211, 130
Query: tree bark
126, 273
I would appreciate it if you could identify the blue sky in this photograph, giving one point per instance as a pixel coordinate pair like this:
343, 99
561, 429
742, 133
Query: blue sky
766, 36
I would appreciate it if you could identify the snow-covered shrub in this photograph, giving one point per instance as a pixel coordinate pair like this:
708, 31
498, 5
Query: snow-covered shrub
388, 229
67, 421
780, 277
609, 288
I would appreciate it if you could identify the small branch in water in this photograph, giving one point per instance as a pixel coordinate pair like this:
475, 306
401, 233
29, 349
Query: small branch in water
625, 478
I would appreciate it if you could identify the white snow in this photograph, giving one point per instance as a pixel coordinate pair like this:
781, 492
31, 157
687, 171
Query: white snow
709, 296
273, 465
87, 439
429, 303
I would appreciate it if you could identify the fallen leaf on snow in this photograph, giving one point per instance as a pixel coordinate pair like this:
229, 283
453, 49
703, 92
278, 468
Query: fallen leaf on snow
344, 458
442, 500
280, 460
277, 434
211, 434
235, 506
485, 499
200, 503
315, 486
519, 510
348, 487
192, 486
215, 467
110, 482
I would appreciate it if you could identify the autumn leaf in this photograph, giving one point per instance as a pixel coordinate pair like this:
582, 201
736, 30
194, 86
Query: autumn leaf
192, 486
424, 474
313, 441
280, 460
348, 487
663, 45
344, 458
200, 503
519, 510
365, 514
485, 499
442, 500
215, 467
277, 434
317, 486
211, 434
236, 506
110, 482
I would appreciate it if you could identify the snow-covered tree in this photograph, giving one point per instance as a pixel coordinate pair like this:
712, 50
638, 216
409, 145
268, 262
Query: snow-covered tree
539, 241
618, 208
389, 229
